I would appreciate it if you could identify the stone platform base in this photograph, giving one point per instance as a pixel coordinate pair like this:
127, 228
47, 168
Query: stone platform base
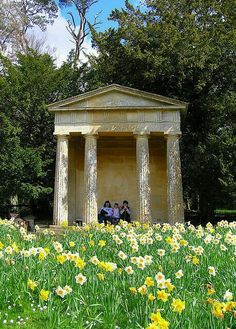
59, 229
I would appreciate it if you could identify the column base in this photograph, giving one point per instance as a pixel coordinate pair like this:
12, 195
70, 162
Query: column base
59, 229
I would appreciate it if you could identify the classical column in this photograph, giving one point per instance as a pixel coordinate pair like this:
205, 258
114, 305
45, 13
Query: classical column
174, 181
60, 212
143, 173
90, 179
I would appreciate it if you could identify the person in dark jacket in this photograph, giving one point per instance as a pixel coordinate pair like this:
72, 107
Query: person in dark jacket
125, 212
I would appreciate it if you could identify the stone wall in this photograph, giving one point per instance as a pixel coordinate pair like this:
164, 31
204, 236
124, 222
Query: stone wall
116, 175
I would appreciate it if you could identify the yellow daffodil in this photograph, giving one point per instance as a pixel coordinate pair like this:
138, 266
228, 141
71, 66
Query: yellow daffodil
169, 285
47, 250
31, 284
183, 243
151, 297
195, 260
149, 282
210, 291
162, 295
133, 290
80, 263
15, 247
153, 325
42, 256
159, 321
178, 305
91, 243
169, 240
83, 248
101, 243
217, 309
142, 290
228, 306
44, 294
61, 259
101, 276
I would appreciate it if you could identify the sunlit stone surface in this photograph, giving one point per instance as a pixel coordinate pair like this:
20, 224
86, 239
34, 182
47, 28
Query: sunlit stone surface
122, 144
90, 179
143, 173
174, 180
60, 213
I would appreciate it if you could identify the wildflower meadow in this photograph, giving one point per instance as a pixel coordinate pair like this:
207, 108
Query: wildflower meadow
124, 276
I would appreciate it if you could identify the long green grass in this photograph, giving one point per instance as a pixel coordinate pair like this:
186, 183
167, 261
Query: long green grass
225, 211
105, 299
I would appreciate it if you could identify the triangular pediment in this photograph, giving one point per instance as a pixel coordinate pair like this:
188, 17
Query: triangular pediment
116, 96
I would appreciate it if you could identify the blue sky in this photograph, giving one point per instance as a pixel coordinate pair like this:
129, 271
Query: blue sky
58, 39
104, 7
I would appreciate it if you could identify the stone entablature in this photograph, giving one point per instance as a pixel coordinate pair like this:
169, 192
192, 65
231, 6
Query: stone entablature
115, 110
88, 121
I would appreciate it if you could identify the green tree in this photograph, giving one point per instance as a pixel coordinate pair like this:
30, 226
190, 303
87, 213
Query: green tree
186, 50
22, 168
27, 146
18, 17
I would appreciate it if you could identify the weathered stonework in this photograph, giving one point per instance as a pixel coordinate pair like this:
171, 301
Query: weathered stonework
174, 180
60, 211
143, 173
90, 179
149, 176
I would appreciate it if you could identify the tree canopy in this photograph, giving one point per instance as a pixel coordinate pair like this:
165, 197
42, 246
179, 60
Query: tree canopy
27, 148
17, 17
182, 49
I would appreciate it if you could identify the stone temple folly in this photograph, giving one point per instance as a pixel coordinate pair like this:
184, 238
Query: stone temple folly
117, 143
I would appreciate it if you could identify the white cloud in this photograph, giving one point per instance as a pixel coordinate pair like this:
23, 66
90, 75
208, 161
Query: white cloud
58, 39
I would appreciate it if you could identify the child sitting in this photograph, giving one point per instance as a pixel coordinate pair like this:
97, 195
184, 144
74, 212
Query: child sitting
115, 214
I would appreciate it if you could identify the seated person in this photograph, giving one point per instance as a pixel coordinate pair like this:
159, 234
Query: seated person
115, 214
125, 212
105, 213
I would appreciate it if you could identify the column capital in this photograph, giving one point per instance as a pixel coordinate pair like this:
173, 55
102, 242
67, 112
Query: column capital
61, 136
173, 135
142, 135
90, 135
